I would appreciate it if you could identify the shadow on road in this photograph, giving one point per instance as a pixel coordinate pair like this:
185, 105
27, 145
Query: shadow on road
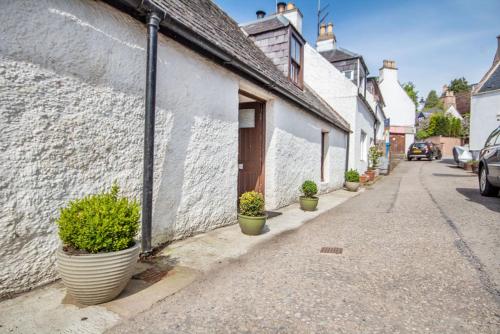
454, 175
473, 195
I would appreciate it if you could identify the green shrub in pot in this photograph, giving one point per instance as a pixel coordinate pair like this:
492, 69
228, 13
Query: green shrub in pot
308, 200
252, 216
352, 180
99, 250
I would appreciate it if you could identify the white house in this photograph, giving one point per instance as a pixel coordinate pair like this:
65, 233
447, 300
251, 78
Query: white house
485, 105
399, 108
346, 93
72, 121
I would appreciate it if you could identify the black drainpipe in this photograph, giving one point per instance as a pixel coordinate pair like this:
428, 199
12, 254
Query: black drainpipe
153, 23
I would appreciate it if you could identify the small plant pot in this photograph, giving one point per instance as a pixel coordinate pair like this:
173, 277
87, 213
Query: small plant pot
467, 166
308, 203
251, 225
475, 168
352, 186
371, 174
96, 278
363, 178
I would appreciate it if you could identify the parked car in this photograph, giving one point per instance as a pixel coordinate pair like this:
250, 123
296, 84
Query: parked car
423, 150
489, 165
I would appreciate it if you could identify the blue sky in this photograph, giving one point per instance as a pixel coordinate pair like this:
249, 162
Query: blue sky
432, 41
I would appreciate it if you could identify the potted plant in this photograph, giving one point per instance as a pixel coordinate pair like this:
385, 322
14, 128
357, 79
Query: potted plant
252, 216
475, 166
308, 202
373, 156
99, 251
352, 180
468, 165
363, 179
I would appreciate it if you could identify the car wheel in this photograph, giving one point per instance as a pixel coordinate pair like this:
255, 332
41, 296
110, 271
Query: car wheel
409, 158
485, 187
419, 159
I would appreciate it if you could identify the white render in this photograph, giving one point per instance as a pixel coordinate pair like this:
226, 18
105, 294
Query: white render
452, 111
398, 105
71, 109
342, 94
484, 118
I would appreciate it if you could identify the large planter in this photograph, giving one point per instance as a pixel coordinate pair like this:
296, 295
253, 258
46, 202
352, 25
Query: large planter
371, 174
363, 179
251, 225
308, 203
96, 278
352, 186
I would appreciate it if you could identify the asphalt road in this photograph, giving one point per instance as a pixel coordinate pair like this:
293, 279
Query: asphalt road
421, 254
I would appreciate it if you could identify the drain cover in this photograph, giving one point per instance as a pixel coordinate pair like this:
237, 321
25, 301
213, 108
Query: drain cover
331, 250
151, 275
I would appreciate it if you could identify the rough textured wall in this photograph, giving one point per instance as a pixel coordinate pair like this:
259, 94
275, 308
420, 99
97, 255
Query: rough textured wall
364, 122
483, 118
399, 107
71, 109
294, 153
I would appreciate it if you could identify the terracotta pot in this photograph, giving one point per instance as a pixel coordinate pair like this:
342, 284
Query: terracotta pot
308, 203
371, 174
96, 278
467, 166
251, 225
363, 178
352, 186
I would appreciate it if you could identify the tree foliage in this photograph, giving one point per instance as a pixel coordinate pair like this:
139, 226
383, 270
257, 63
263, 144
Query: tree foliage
443, 125
409, 87
433, 101
459, 85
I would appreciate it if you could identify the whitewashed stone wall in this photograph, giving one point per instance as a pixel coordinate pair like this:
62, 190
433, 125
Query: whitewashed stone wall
294, 153
71, 108
484, 114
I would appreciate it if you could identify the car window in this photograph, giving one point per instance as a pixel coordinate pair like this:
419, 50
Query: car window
497, 142
492, 138
420, 146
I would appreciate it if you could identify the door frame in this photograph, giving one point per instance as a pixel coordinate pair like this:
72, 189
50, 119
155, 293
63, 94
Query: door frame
260, 107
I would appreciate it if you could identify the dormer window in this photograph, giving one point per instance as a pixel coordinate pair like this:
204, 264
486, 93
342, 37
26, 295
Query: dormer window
296, 60
349, 74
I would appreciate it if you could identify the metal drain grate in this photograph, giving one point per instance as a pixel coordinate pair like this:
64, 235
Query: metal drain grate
331, 250
151, 275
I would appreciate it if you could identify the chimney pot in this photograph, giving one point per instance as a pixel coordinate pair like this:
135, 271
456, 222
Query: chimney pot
445, 88
322, 29
280, 7
391, 64
330, 28
290, 6
260, 14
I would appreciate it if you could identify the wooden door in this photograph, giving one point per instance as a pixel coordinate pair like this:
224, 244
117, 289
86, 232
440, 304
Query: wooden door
251, 147
397, 144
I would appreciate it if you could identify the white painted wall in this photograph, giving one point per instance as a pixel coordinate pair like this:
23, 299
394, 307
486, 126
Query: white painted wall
71, 114
485, 110
399, 107
342, 94
293, 153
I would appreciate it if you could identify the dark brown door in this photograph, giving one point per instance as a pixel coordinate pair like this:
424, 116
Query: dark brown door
251, 147
397, 144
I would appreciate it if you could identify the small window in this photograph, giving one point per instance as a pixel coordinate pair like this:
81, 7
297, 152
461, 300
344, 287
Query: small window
349, 74
295, 61
491, 139
324, 153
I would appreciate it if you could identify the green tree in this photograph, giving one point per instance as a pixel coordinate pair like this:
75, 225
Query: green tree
459, 85
433, 101
409, 87
443, 125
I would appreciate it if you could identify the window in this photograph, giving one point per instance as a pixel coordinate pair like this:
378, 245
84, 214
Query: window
295, 61
491, 139
324, 153
363, 151
349, 74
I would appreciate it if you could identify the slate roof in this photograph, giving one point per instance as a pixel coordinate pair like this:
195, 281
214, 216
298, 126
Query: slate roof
265, 24
213, 28
491, 81
339, 54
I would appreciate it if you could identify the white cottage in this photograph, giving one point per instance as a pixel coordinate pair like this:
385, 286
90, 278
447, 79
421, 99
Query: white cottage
399, 108
72, 118
485, 105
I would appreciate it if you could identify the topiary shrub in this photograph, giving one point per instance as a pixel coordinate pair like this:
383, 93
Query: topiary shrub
252, 204
352, 175
309, 189
99, 223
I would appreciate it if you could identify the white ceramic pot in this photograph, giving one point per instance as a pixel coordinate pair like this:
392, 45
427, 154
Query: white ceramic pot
352, 186
96, 278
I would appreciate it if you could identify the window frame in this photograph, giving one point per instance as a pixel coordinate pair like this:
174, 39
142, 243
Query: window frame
293, 35
351, 77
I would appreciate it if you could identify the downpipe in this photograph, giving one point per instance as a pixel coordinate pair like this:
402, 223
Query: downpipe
153, 25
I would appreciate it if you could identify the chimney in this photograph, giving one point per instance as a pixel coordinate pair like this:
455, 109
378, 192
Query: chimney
260, 14
448, 98
445, 89
389, 71
497, 55
280, 7
326, 39
292, 13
